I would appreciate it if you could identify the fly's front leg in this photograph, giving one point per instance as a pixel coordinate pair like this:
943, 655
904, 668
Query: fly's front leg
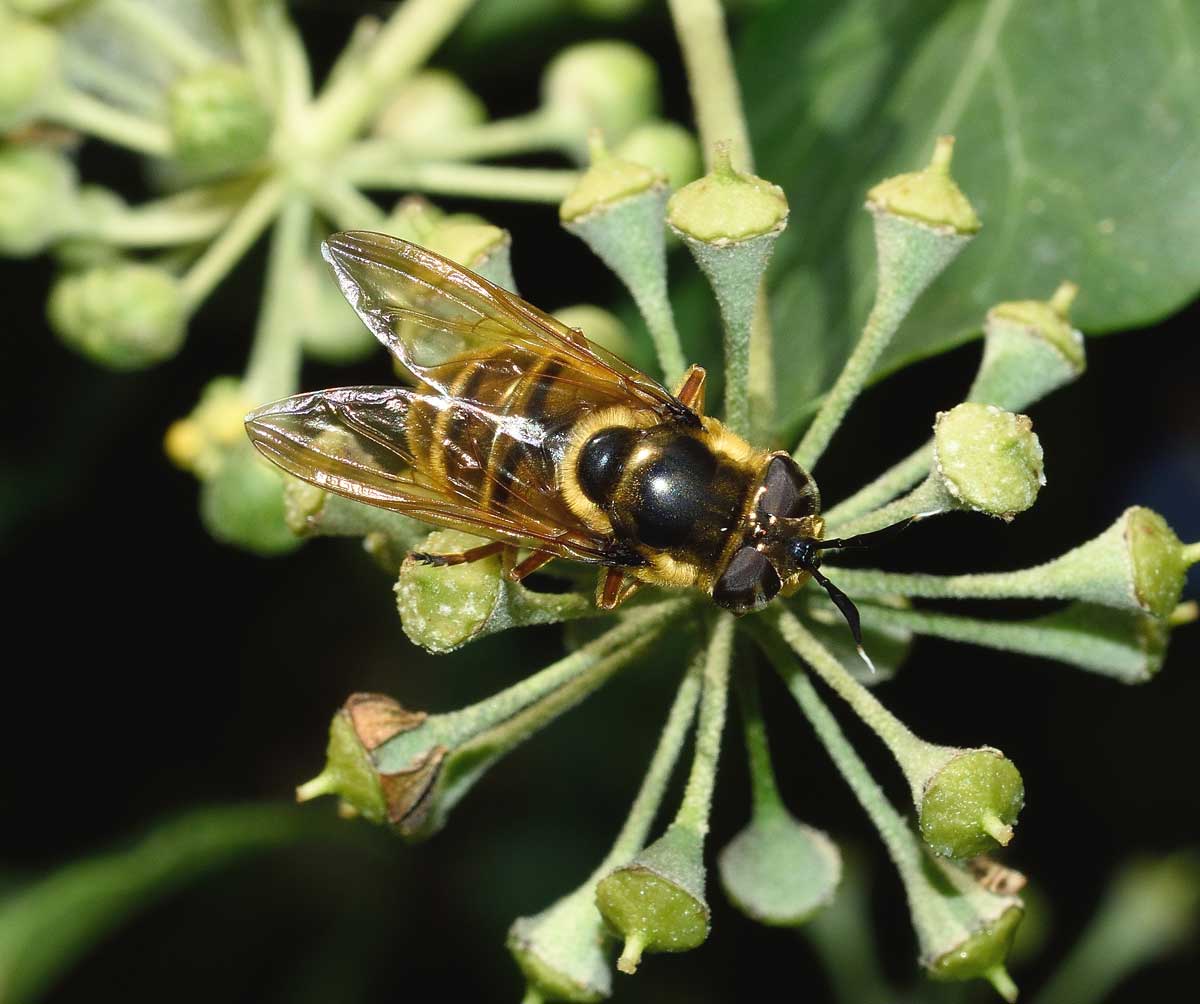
614, 588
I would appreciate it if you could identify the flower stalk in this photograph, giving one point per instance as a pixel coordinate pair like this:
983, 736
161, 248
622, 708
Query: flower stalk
656, 901
922, 223
561, 950
963, 930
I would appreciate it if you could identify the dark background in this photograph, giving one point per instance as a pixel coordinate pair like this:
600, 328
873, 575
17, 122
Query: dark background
151, 669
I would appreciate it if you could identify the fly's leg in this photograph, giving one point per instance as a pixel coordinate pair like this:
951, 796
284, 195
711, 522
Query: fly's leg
461, 557
691, 389
614, 588
531, 564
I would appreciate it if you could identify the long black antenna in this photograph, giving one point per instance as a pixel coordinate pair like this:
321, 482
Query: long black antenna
848, 610
869, 539
840, 599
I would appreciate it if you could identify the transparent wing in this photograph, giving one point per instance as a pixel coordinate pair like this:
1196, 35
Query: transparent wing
383, 446
439, 319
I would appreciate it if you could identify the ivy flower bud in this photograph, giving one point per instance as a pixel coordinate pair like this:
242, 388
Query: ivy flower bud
413, 218
608, 85
430, 103
37, 191
217, 119
1138, 563
241, 497
242, 503
665, 146
475, 244
727, 205
609, 181
729, 221
199, 442
444, 607
780, 871
124, 315
29, 68
970, 804
364, 723
989, 460
981, 955
561, 950
1030, 349
387, 536
930, 196
656, 902
617, 210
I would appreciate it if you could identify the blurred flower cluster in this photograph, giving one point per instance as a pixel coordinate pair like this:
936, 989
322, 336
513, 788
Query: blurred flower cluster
219, 98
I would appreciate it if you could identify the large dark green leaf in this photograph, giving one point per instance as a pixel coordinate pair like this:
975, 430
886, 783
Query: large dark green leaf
1078, 127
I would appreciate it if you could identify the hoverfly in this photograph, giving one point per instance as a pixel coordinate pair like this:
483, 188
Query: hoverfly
520, 430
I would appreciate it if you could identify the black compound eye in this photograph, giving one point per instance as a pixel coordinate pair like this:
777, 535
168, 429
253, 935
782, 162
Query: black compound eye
602, 460
748, 582
787, 492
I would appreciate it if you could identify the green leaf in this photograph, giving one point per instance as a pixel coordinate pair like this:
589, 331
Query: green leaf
46, 925
1076, 132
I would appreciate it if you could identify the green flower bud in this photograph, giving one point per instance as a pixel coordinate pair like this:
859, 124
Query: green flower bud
1029, 350
218, 120
37, 192
964, 928
1159, 560
729, 221
364, 723
930, 197
656, 902
617, 211
988, 460
780, 871
727, 205
982, 955
971, 803
413, 218
665, 146
91, 206
561, 950
475, 244
124, 315
608, 181
200, 442
387, 536
242, 504
444, 607
1137, 564
29, 69
430, 103
608, 85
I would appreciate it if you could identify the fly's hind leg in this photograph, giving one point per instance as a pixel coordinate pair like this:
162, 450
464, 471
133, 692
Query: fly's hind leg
460, 557
515, 571
691, 389
614, 588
